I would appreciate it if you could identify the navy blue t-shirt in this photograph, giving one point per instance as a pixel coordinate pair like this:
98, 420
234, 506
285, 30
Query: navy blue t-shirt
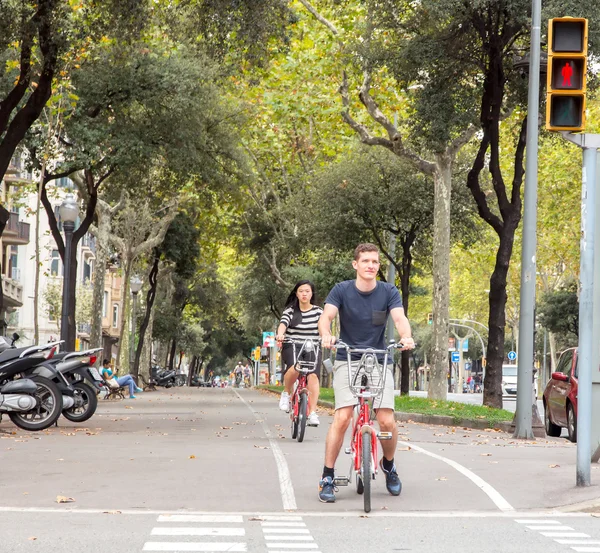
363, 315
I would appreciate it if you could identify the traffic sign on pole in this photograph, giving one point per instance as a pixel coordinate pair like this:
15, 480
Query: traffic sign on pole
455, 356
512, 355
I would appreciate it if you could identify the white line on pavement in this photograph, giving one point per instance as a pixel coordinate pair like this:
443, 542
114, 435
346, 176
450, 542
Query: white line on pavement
279, 524
198, 532
294, 545
287, 518
533, 521
201, 518
490, 491
286, 530
565, 535
546, 527
290, 538
577, 542
198, 546
285, 480
587, 549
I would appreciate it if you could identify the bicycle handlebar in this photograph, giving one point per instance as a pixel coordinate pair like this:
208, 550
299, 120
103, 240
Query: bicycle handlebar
351, 349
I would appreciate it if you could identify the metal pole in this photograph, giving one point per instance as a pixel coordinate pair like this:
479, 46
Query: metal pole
64, 318
523, 423
132, 344
544, 374
586, 318
391, 276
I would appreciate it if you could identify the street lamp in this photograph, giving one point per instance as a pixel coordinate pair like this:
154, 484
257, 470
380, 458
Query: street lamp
68, 212
135, 284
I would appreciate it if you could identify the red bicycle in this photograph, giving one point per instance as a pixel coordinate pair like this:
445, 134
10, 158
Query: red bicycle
367, 382
306, 358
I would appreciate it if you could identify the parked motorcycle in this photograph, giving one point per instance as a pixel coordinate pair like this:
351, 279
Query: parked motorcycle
77, 369
32, 403
162, 377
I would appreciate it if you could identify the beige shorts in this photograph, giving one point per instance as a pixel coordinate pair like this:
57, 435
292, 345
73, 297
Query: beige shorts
344, 397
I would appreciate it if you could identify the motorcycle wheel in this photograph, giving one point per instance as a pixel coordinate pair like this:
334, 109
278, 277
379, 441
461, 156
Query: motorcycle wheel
90, 403
47, 411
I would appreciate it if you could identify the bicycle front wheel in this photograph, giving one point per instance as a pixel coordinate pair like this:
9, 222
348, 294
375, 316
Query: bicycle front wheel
294, 417
366, 471
302, 414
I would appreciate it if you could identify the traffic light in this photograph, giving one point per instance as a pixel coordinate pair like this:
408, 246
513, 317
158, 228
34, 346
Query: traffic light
429, 318
567, 66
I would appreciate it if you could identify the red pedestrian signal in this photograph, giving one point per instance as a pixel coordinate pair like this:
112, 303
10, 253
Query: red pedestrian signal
567, 66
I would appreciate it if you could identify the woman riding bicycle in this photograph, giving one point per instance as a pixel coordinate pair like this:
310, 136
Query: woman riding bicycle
299, 320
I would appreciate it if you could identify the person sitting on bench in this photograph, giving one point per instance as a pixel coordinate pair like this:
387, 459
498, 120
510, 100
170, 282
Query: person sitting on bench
126, 380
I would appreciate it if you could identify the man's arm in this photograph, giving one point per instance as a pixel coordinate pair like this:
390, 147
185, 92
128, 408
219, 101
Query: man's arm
403, 327
329, 313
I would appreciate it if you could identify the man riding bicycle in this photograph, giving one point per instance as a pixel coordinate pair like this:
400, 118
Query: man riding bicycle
247, 375
363, 306
238, 373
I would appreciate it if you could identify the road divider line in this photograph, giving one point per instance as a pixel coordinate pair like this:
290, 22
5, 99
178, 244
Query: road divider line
586, 549
564, 534
577, 542
294, 545
546, 527
285, 530
280, 524
201, 518
285, 480
195, 546
533, 521
198, 531
486, 488
289, 538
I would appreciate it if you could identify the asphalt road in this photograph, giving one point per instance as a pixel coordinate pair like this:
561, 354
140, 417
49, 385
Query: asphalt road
211, 470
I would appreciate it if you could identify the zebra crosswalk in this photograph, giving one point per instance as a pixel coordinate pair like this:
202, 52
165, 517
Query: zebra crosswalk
180, 533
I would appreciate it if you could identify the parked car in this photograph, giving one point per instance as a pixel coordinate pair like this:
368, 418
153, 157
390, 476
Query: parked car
560, 397
509, 381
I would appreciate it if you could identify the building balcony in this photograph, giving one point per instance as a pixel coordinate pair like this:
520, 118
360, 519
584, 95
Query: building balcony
16, 172
16, 232
13, 293
88, 246
84, 329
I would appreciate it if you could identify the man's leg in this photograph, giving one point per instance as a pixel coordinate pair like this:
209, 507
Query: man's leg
333, 444
385, 418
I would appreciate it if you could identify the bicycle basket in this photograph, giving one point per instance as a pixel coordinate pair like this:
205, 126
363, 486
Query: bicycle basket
306, 355
366, 376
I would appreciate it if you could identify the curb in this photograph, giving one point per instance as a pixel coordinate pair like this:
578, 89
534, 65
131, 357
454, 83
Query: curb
590, 506
439, 420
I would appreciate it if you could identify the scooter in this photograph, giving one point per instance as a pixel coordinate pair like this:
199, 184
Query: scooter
77, 369
162, 377
32, 403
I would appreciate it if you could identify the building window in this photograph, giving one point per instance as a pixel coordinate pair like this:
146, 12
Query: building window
87, 271
115, 315
55, 264
105, 304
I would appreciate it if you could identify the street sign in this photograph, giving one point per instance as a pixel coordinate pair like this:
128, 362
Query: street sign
465, 344
455, 356
512, 355
567, 67
268, 339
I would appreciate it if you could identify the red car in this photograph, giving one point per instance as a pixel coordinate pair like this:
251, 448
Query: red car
560, 397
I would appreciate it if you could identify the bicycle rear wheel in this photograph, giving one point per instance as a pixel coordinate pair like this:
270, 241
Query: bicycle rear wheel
366, 471
302, 414
293, 416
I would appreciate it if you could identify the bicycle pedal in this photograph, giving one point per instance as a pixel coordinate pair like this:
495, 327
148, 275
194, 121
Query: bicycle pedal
348, 451
384, 435
341, 481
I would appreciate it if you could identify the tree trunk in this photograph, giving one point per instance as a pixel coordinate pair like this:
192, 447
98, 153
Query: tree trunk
191, 370
552, 342
150, 297
4, 217
172, 354
72, 298
405, 290
442, 179
122, 357
98, 293
492, 387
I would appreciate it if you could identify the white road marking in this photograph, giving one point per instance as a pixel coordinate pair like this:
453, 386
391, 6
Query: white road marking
201, 518
198, 546
577, 542
289, 551
565, 535
285, 531
587, 549
533, 521
279, 524
198, 532
294, 545
287, 518
546, 527
486, 488
285, 480
290, 538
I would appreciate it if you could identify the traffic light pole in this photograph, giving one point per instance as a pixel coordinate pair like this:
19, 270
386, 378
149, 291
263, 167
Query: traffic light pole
590, 143
523, 416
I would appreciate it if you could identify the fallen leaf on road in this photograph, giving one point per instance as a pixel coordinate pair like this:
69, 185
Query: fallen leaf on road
64, 499
486, 454
32, 538
128, 407
407, 448
442, 478
256, 518
111, 512
227, 427
553, 466
261, 446
60, 459
192, 457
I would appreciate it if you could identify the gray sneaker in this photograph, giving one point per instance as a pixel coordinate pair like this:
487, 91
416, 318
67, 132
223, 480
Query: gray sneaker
327, 490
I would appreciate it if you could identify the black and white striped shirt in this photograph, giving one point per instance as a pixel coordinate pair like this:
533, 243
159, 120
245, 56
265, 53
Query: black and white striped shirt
307, 327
